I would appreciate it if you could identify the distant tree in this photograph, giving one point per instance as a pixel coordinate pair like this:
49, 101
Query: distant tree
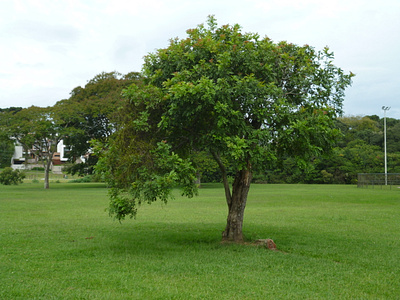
39, 130
206, 167
374, 118
10, 110
243, 99
393, 136
6, 151
363, 128
90, 114
363, 158
6, 144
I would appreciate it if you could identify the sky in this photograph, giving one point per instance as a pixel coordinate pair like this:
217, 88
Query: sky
49, 47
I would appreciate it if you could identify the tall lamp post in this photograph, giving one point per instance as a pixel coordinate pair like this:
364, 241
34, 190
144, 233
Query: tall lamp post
385, 109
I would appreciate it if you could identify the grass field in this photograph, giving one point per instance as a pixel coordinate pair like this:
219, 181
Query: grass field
32, 176
335, 242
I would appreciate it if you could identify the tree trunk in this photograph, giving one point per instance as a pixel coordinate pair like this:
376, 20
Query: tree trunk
236, 201
236, 205
224, 176
47, 174
198, 179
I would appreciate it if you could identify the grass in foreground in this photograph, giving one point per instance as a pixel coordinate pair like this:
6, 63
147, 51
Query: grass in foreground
334, 241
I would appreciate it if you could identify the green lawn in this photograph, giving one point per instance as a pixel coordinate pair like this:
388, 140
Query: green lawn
32, 175
335, 242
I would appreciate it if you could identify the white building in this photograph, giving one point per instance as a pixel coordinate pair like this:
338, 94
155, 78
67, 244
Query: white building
26, 160
18, 159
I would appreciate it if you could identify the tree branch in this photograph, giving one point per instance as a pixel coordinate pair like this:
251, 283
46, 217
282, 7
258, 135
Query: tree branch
228, 194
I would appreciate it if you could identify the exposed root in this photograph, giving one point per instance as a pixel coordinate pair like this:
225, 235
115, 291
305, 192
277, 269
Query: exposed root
266, 243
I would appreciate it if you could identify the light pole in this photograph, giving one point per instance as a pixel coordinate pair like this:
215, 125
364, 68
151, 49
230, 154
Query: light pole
385, 109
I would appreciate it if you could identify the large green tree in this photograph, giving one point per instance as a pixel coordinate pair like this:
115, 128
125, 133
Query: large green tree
90, 112
244, 99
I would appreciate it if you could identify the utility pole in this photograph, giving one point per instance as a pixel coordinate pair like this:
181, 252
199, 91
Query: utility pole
385, 109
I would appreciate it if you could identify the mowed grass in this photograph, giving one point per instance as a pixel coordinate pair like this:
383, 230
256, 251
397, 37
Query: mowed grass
335, 242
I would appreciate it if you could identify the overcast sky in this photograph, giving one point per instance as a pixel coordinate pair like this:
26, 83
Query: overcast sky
49, 47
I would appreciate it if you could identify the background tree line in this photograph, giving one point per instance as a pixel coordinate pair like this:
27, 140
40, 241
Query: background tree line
93, 112
358, 150
88, 114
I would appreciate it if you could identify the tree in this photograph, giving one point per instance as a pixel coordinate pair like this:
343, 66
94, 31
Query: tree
393, 136
39, 130
6, 151
357, 127
90, 115
244, 99
10, 109
6, 144
206, 167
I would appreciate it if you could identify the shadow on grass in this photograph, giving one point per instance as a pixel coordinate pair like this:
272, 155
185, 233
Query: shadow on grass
62, 186
180, 237
160, 237
97, 185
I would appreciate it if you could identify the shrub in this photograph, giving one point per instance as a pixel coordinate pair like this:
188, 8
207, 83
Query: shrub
10, 176
86, 179
37, 169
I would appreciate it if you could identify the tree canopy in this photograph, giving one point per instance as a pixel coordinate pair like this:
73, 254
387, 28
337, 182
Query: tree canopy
246, 100
6, 151
6, 143
39, 130
90, 113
